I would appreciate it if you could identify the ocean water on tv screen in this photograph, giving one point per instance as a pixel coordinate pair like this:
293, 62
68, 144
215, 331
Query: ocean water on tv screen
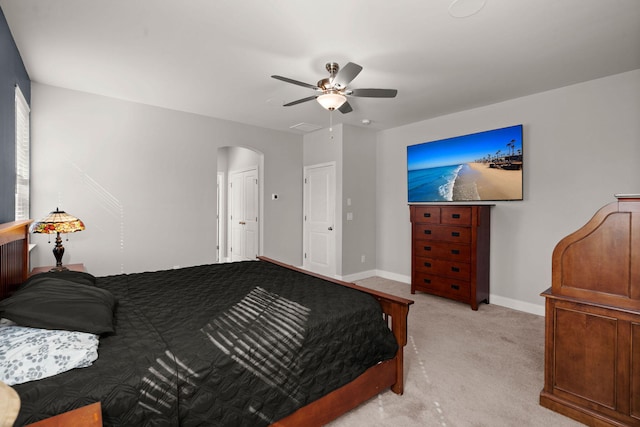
432, 184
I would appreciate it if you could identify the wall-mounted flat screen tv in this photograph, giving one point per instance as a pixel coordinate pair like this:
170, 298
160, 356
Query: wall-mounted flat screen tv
484, 166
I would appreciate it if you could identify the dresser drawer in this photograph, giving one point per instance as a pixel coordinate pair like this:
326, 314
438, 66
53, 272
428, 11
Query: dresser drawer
455, 215
450, 288
428, 214
442, 233
452, 269
442, 250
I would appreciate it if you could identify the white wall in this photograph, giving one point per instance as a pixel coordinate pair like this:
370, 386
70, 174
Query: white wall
359, 187
138, 176
354, 151
143, 179
581, 146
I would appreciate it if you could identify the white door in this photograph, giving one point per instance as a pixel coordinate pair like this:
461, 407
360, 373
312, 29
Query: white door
319, 219
243, 215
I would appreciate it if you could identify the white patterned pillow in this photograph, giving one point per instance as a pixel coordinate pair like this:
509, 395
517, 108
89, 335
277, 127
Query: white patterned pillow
28, 354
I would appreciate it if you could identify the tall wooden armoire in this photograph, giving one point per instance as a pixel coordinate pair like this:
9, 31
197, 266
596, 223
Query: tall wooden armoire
592, 334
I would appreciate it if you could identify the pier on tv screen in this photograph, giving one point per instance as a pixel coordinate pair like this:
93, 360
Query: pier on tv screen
484, 166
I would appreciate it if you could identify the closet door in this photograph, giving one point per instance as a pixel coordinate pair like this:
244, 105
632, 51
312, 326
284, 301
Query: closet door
243, 194
320, 219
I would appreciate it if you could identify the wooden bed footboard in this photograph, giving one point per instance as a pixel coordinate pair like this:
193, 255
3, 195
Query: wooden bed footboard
376, 379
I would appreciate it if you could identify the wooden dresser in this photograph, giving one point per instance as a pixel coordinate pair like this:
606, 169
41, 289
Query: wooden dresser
450, 251
592, 333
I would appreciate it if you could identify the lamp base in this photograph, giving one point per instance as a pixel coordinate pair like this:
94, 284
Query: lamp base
58, 268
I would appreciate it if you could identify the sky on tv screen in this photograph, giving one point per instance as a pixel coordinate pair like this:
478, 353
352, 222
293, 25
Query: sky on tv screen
465, 149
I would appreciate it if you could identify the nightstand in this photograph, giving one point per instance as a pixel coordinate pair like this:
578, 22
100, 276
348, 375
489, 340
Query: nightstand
72, 267
87, 416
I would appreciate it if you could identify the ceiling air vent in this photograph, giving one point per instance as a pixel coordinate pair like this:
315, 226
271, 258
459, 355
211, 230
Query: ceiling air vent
305, 127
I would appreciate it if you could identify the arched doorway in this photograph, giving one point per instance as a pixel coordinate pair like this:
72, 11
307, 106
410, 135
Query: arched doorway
240, 203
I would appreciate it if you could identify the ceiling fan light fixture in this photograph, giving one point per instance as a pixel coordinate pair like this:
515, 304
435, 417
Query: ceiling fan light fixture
465, 8
332, 91
331, 101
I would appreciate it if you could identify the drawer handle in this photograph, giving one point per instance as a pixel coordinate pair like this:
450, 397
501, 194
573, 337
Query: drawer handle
427, 264
427, 280
455, 251
455, 269
455, 233
456, 287
427, 215
427, 248
427, 231
456, 216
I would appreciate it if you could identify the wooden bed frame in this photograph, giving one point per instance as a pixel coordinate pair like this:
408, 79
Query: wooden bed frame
14, 269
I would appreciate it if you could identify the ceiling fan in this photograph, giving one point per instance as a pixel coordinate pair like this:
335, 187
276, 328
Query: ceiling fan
333, 89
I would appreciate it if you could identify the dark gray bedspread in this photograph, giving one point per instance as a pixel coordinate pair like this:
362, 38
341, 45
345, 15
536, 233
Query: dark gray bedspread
239, 344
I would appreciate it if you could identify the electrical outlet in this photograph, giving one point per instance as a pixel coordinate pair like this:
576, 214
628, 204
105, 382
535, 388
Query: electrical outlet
362, 258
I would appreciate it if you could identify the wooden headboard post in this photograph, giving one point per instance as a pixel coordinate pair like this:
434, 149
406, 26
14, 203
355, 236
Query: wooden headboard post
14, 255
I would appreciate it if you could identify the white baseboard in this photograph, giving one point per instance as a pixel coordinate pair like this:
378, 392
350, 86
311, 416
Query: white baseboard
515, 304
394, 276
358, 276
378, 273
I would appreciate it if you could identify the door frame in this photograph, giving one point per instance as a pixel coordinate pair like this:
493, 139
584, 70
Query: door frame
221, 218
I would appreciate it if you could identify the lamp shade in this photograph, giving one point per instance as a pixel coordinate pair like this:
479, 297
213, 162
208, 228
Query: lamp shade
331, 101
57, 222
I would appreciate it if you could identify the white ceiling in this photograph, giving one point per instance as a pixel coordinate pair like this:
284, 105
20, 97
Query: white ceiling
215, 57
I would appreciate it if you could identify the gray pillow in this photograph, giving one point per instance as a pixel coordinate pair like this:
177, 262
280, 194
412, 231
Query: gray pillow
70, 275
49, 302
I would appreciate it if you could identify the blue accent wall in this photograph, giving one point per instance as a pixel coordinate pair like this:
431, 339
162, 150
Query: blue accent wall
12, 72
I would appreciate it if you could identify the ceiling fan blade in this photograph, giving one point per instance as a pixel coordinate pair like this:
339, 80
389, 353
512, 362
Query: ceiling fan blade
300, 101
296, 82
345, 108
373, 93
346, 74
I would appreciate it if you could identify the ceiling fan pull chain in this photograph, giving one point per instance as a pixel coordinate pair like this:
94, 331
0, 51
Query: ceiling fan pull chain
331, 124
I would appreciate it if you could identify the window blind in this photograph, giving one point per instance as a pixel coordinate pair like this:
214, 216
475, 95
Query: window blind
22, 156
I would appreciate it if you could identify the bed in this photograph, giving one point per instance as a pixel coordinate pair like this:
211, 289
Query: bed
246, 343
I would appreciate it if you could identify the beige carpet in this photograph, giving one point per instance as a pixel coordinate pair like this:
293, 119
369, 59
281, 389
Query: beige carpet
463, 368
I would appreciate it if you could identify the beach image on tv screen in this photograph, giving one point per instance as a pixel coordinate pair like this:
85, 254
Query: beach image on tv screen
484, 166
